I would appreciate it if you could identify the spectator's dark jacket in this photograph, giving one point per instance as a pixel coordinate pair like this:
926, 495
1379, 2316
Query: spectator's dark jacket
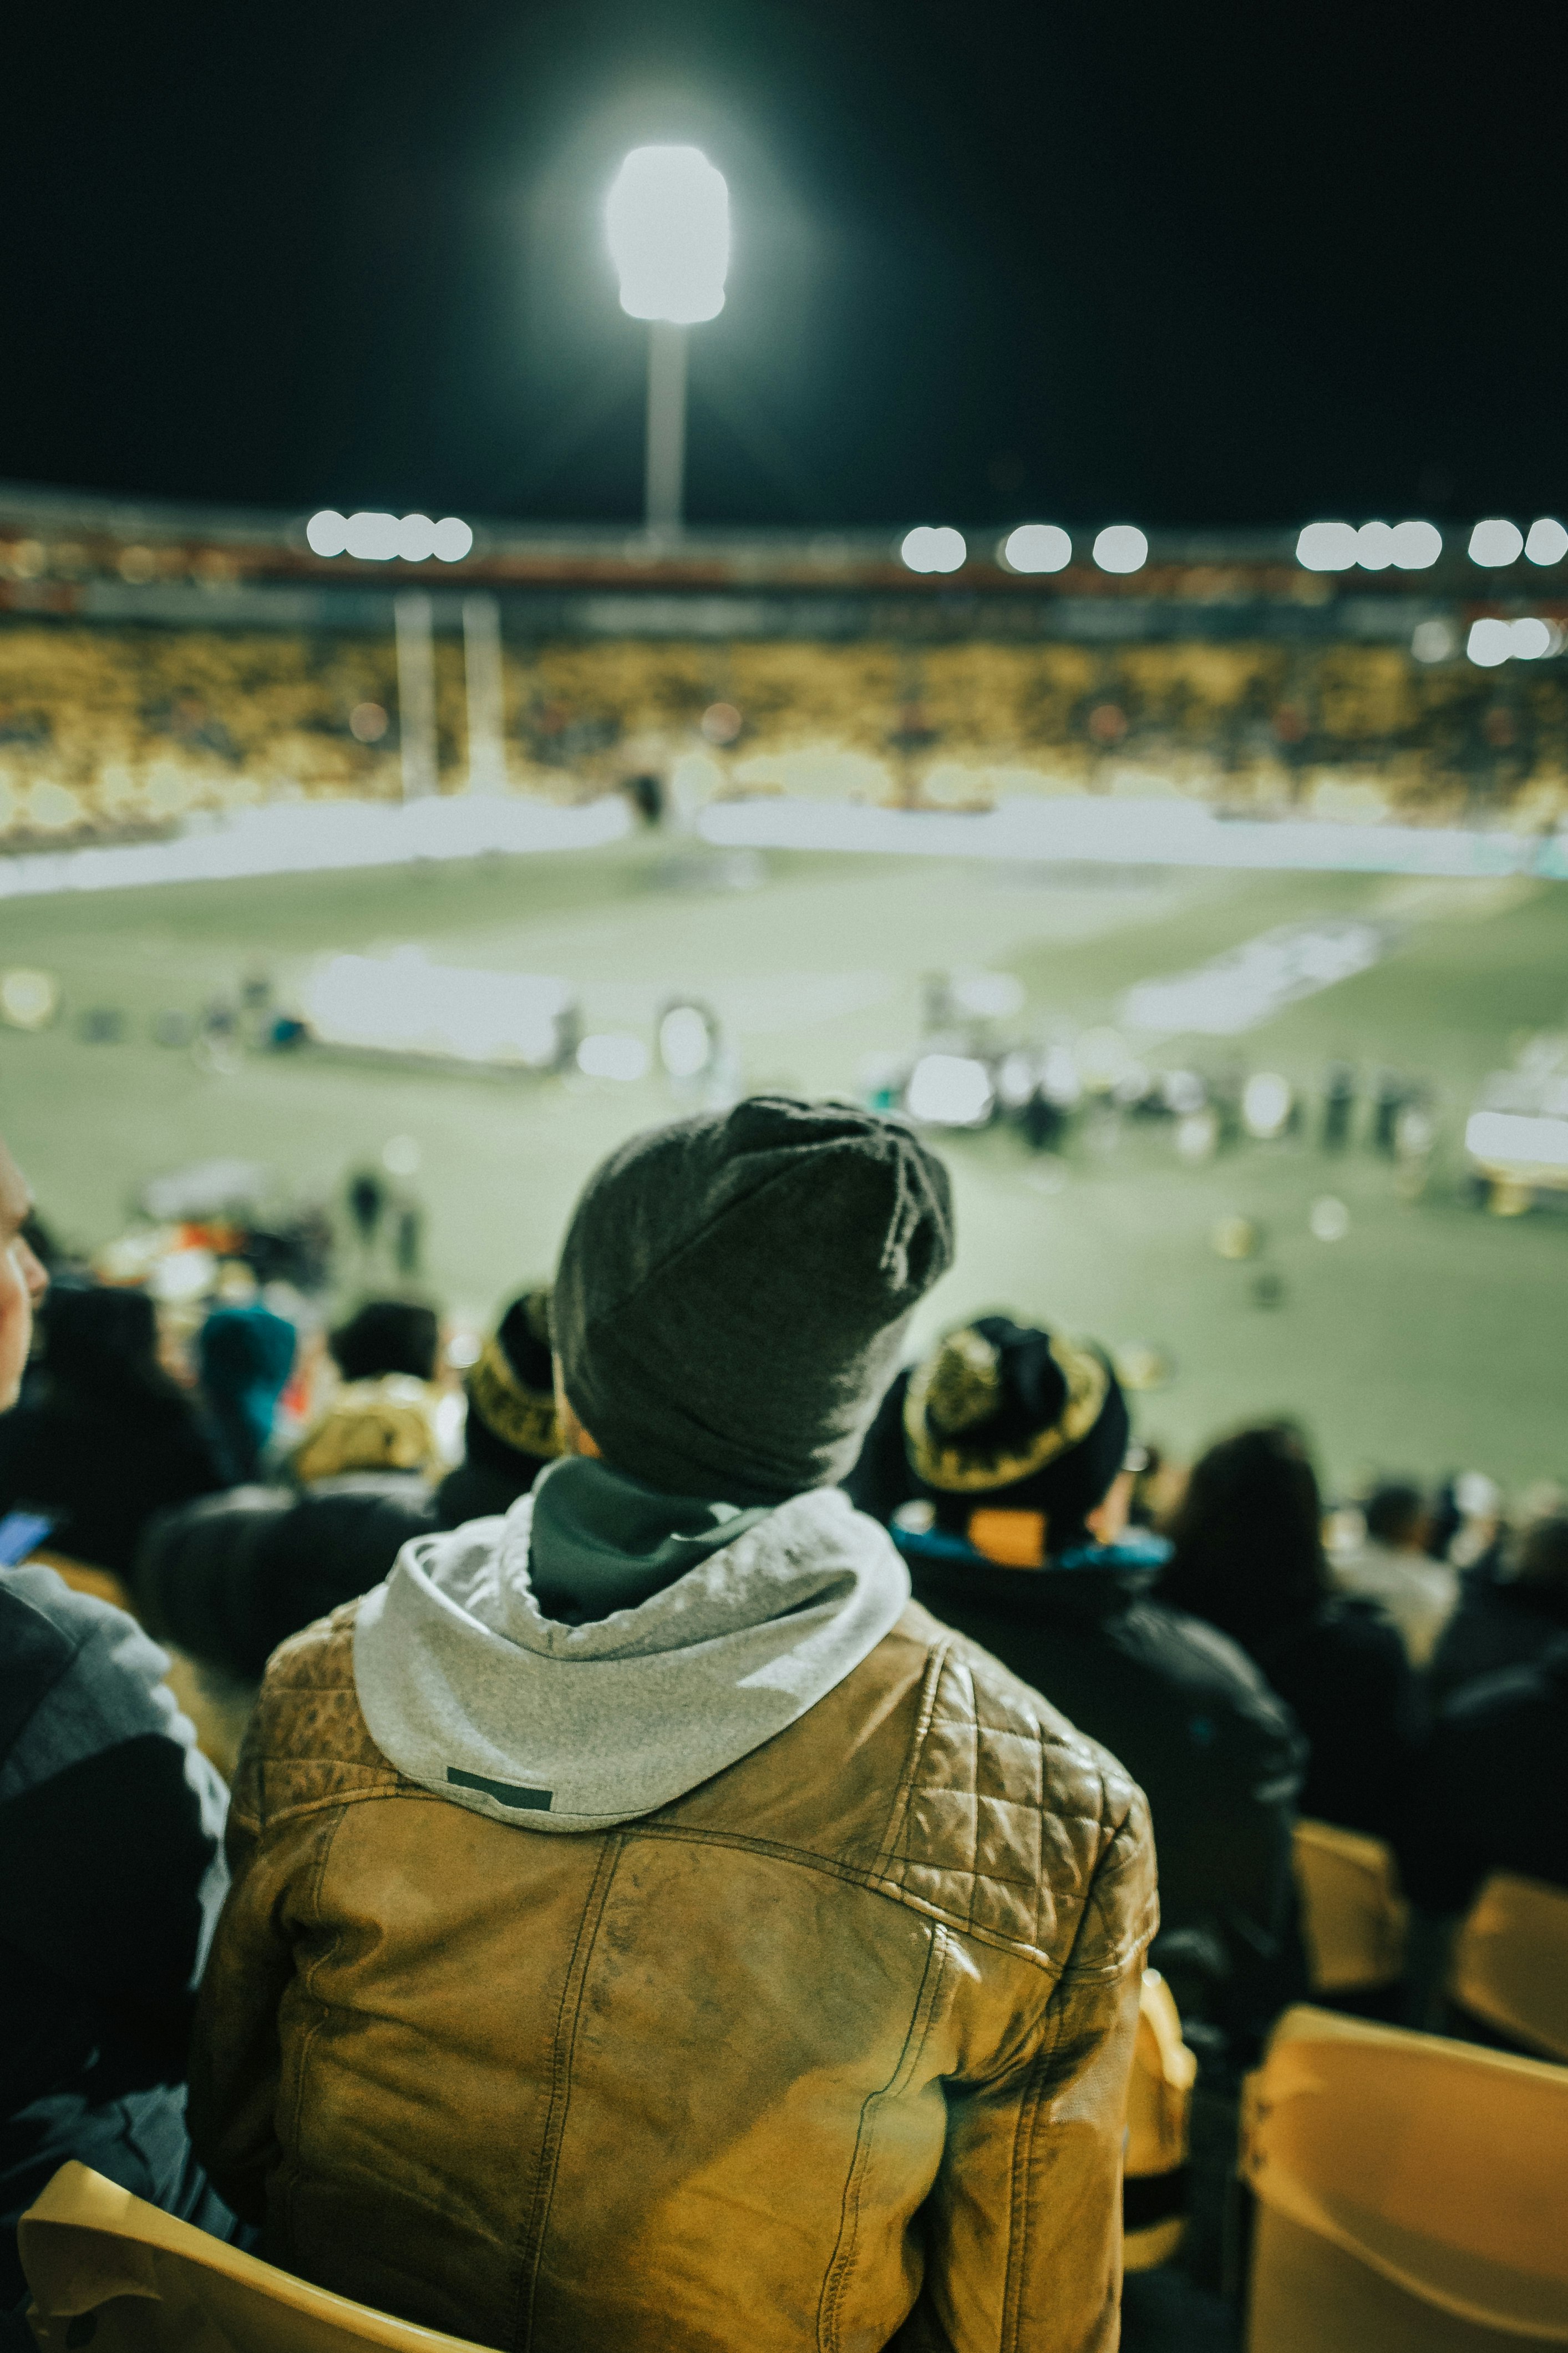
1498, 1623
230, 1577
105, 1473
1346, 1678
1190, 1717
112, 1873
1492, 1791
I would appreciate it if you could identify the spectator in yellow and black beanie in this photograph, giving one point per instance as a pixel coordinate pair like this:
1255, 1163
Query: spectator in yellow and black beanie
512, 1432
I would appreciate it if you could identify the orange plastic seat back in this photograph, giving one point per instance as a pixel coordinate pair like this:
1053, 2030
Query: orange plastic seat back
1411, 2193
1353, 1918
105, 2268
1159, 2098
1510, 1964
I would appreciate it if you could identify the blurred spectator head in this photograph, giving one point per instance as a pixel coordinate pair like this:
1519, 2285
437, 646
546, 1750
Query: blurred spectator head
22, 1279
387, 1336
1396, 1514
244, 1355
113, 1436
1539, 1552
1016, 1438
511, 1390
1247, 1536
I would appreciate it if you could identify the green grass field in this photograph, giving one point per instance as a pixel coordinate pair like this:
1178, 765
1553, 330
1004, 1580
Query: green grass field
1432, 1335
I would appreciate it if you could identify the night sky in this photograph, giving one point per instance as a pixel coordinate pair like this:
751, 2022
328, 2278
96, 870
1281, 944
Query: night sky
1229, 264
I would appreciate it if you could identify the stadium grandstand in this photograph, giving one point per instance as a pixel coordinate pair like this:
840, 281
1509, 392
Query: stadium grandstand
159, 662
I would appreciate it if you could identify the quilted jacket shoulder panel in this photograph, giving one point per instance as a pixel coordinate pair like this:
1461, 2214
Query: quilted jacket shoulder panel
308, 1744
1017, 1829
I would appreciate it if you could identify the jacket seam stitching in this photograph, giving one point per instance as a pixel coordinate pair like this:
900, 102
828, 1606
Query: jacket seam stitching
836, 2280
312, 2034
892, 1891
1019, 2206
565, 2044
897, 1818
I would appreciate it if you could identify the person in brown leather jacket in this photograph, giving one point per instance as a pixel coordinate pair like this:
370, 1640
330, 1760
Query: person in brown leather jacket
649, 1929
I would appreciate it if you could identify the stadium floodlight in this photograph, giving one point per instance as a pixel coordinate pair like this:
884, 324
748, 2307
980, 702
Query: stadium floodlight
934, 548
1037, 547
668, 220
1121, 547
1416, 546
372, 537
668, 217
375, 538
327, 533
1489, 643
451, 539
1375, 548
1528, 639
1327, 547
1547, 542
1496, 542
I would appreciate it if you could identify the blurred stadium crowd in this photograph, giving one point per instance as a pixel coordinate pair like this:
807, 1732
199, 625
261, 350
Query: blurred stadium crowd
109, 732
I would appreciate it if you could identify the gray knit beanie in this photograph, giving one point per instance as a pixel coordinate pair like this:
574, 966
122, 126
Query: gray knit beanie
733, 1289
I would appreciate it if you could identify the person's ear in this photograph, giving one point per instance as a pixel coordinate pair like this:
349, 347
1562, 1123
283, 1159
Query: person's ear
1109, 1517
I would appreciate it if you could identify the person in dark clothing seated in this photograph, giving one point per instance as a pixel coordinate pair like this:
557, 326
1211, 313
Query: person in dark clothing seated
111, 1438
998, 1463
111, 1877
1513, 1606
111, 1872
1492, 1791
1248, 1555
229, 1579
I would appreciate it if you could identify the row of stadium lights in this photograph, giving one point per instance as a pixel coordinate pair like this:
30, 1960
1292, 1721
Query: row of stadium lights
1321, 547
378, 538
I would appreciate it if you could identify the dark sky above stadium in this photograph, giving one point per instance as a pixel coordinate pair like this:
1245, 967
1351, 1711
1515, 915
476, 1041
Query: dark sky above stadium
1229, 264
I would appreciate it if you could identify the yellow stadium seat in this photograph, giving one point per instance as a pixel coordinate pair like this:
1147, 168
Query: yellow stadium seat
1509, 1967
1353, 1918
1159, 2096
1410, 2193
105, 2268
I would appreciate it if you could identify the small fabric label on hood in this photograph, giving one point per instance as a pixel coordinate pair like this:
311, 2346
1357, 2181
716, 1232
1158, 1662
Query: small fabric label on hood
505, 1793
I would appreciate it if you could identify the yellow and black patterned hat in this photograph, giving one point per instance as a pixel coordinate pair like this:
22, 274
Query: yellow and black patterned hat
1017, 1416
512, 1388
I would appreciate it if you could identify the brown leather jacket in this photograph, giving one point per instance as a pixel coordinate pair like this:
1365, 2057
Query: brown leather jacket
830, 2052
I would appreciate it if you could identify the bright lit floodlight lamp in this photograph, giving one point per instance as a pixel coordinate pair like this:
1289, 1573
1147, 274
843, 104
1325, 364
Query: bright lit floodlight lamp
934, 548
669, 222
1327, 547
1037, 547
1121, 547
1496, 542
1547, 542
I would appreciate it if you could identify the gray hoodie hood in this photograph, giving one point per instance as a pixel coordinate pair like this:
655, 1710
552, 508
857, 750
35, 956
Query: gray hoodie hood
472, 1691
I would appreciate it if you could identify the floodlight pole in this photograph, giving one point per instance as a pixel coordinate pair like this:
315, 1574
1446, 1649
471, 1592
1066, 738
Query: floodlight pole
664, 479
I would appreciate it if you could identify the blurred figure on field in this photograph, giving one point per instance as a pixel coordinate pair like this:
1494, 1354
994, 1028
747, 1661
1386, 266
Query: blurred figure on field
244, 1355
1512, 1609
112, 1867
1247, 1555
1392, 1567
384, 1418
230, 1579
110, 1437
1000, 1465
